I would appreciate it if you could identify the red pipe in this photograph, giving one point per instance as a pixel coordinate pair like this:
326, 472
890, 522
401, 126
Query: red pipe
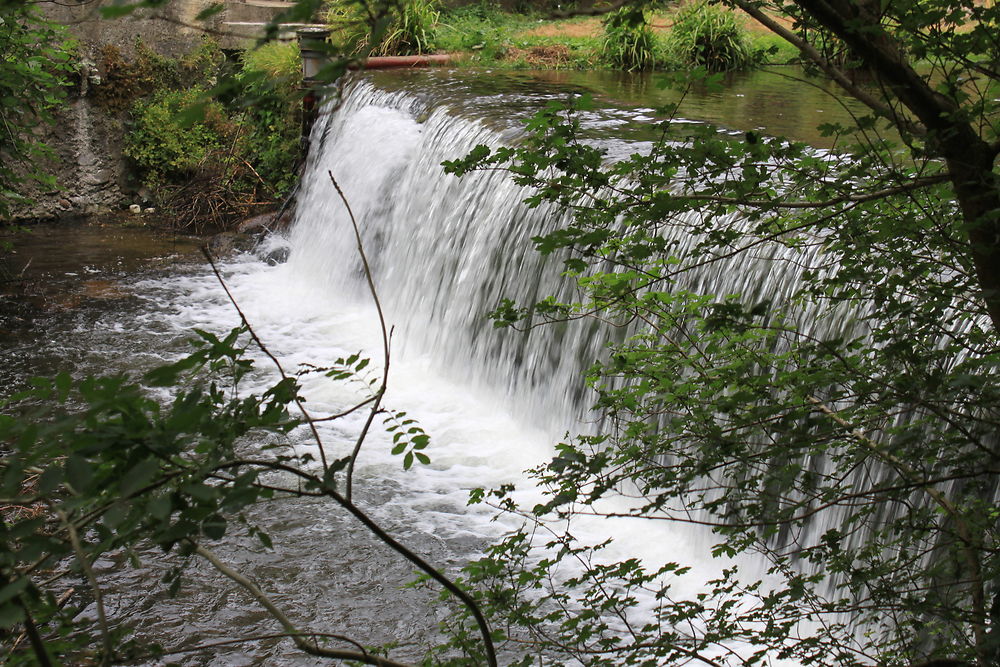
384, 62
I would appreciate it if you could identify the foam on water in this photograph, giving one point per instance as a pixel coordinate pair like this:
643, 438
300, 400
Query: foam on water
442, 251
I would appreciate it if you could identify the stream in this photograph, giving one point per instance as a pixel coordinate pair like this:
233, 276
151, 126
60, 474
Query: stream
96, 299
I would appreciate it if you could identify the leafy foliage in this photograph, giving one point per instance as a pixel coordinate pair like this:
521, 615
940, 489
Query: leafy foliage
270, 81
98, 466
124, 469
210, 155
126, 80
35, 66
808, 372
175, 132
383, 27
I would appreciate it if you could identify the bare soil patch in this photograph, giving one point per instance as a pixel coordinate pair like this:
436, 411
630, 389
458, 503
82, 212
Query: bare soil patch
591, 26
541, 57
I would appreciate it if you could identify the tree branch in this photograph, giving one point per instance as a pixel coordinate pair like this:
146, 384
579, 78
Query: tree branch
291, 631
266, 351
382, 535
88, 571
385, 341
834, 73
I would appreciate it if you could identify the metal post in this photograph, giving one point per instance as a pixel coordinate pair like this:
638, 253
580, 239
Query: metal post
314, 50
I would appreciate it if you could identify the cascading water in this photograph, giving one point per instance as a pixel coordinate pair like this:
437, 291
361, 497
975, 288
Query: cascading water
444, 250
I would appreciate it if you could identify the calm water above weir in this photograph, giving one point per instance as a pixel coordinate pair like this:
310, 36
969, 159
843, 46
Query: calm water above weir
777, 101
443, 250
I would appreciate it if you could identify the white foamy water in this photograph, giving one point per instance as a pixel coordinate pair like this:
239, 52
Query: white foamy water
442, 251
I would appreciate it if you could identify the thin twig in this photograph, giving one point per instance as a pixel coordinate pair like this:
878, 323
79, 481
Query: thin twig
60, 603
970, 545
88, 571
250, 638
385, 342
294, 633
263, 348
346, 412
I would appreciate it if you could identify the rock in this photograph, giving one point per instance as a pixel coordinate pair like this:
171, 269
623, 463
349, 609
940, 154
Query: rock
99, 177
135, 208
222, 243
265, 222
150, 210
276, 256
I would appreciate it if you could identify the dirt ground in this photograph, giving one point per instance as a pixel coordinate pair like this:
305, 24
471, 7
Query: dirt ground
591, 26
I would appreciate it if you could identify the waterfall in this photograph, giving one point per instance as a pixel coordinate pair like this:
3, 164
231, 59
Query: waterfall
444, 250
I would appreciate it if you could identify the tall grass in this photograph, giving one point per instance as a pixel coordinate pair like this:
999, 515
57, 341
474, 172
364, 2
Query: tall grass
709, 36
383, 27
628, 39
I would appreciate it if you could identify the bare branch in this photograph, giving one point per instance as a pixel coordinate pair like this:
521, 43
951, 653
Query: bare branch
381, 534
88, 571
263, 348
385, 341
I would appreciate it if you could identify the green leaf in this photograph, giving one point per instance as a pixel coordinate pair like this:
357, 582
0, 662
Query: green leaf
214, 527
79, 472
14, 588
139, 476
11, 614
210, 11
167, 376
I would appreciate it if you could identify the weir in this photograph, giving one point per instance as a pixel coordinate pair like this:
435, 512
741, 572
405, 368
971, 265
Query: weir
444, 250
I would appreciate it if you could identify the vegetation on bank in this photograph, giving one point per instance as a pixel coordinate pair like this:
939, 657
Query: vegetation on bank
632, 38
213, 140
36, 68
211, 155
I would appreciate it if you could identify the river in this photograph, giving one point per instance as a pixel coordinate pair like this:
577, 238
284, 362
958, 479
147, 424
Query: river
123, 299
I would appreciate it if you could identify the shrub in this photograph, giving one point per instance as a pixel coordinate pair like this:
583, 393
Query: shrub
709, 36
35, 66
175, 132
481, 27
209, 160
128, 79
270, 80
628, 39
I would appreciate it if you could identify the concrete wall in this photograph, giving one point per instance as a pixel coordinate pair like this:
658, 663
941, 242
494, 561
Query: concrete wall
87, 139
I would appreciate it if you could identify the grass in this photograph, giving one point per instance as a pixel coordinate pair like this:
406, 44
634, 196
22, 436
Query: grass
485, 35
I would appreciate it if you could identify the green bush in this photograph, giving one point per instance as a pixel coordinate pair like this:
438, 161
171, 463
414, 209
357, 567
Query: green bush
705, 35
479, 27
628, 39
35, 67
214, 159
173, 133
270, 82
